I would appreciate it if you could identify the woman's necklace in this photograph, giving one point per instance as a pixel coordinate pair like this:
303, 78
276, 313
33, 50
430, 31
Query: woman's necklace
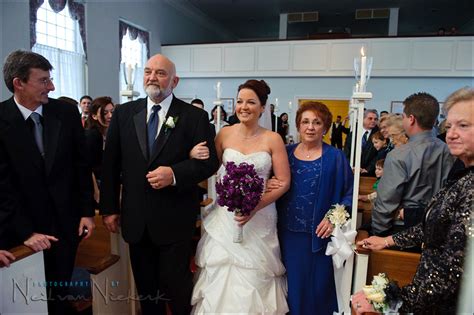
308, 153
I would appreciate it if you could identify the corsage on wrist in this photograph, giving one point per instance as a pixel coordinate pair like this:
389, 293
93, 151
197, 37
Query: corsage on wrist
383, 294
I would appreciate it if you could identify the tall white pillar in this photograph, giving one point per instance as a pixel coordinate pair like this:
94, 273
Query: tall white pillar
283, 25
392, 22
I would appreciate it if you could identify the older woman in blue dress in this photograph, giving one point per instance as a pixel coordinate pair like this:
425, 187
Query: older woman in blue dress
320, 178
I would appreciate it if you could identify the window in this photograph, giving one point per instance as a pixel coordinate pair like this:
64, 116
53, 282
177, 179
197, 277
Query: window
134, 55
58, 39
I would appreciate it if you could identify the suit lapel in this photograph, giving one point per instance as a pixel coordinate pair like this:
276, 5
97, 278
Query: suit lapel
139, 120
165, 133
20, 131
52, 127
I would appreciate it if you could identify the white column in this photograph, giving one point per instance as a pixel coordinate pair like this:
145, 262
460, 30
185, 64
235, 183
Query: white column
393, 22
283, 25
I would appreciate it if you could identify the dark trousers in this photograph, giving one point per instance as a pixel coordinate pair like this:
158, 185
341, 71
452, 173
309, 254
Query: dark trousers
59, 264
162, 274
337, 142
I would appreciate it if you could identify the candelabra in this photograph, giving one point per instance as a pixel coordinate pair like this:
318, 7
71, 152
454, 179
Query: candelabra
129, 75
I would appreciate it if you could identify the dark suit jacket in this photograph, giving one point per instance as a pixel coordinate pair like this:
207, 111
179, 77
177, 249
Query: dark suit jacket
43, 196
368, 154
169, 213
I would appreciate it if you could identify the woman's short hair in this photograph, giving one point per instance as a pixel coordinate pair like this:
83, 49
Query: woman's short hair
320, 109
463, 94
260, 87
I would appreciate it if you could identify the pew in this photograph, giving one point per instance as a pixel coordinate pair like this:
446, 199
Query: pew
109, 278
399, 266
22, 289
365, 207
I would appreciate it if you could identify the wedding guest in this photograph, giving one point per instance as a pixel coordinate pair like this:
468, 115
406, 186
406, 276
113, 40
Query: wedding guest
384, 124
380, 144
446, 226
198, 103
213, 119
45, 178
283, 126
413, 172
337, 128
84, 104
396, 131
378, 173
97, 123
320, 177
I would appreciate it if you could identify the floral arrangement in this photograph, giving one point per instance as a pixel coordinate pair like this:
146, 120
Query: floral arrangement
383, 294
240, 189
337, 215
170, 123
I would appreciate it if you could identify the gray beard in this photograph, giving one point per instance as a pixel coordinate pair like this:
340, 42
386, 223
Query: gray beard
152, 92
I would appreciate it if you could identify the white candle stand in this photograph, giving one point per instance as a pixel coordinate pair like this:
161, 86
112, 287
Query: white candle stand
218, 103
129, 77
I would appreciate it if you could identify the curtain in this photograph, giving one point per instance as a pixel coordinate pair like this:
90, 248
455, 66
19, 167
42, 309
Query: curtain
77, 13
143, 36
68, 72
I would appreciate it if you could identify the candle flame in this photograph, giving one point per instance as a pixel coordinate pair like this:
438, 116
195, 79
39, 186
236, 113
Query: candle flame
362, 51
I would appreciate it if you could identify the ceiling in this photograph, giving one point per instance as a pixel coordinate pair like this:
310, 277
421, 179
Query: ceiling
250, 20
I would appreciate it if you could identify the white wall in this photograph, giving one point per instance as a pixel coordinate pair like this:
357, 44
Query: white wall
384, 90
14, 32
165, 24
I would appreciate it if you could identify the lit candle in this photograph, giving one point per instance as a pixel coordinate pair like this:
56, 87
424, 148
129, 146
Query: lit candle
290, 105
363, 70
218, 88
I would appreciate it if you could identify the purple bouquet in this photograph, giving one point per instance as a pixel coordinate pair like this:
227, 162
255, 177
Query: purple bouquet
239, 190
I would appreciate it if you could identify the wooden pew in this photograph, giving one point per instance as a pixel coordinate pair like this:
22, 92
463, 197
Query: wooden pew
365, 207
399, 266
22, 289
108, 278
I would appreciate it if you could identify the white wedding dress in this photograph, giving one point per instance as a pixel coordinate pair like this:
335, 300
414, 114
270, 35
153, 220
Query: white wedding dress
240, 278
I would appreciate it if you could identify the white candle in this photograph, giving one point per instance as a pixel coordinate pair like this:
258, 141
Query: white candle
276, 117
363, 70
218, 88
218, 114
129, 74
290, 105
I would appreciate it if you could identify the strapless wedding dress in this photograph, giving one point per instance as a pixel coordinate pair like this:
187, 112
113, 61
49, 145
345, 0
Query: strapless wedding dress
240, 278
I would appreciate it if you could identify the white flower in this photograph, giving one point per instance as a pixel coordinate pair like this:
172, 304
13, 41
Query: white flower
337, 215
171, 122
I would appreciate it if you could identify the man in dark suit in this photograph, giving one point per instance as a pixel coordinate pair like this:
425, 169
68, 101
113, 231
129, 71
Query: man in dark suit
337, 128
147, 151
45, 180
368, 150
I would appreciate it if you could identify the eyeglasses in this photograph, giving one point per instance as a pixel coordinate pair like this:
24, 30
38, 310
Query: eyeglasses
46, 81
306, 123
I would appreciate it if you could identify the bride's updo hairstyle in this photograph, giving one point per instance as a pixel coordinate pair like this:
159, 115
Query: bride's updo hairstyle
260, 88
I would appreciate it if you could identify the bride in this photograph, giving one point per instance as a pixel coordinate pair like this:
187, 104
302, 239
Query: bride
247, 277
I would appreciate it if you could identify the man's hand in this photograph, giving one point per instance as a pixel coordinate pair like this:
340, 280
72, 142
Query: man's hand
88, 223
39, 242
5, 258
111, 222
160, 177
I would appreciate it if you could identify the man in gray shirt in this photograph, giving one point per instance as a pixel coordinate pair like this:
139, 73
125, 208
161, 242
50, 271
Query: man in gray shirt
413, 172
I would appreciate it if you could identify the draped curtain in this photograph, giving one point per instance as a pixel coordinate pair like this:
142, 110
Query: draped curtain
143, 36
76, 10
68, 72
